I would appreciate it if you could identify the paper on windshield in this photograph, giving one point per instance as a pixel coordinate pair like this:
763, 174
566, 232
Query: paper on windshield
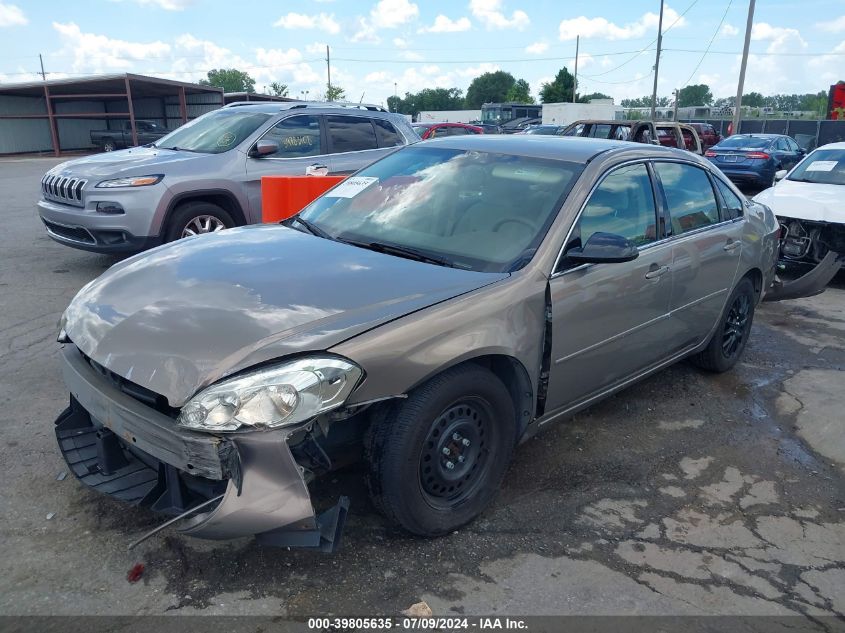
822, 165
351, 187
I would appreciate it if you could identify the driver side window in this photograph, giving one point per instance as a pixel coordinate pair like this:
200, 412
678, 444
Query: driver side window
622, 204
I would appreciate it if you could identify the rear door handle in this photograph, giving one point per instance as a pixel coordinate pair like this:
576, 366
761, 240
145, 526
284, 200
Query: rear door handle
655, 273
732, 246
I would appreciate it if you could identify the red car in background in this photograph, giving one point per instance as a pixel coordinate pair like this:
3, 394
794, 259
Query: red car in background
438, 130
709, 135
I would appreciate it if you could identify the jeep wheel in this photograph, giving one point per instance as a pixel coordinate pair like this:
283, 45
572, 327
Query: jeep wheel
731, 336
196, 218
437, 459
108, 146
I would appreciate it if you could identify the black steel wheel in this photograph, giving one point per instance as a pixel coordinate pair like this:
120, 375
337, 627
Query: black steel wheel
436, 460
455, 455
731, 336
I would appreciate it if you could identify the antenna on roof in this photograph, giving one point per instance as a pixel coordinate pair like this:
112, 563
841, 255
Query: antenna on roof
361, 100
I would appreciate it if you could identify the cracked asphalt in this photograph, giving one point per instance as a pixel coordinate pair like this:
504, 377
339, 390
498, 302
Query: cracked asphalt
685, 494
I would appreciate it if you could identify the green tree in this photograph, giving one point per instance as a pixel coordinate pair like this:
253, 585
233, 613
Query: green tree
753, 100
560, 89
279, 89
394, 104
427, 99
230, 79
640, 102
592, 95
520, 92
693, 95
489, 88
335, 93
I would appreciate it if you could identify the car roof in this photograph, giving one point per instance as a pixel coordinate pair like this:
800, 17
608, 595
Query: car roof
838, 145
761, 135
571, 148
275, 107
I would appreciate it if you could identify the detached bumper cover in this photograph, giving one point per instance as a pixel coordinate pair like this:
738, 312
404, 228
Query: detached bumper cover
126, 449
808, 285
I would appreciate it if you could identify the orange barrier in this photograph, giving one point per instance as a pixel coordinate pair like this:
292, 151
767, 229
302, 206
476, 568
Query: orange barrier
284, 196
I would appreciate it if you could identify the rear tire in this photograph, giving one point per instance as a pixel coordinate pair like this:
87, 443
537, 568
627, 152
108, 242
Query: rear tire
731, 335
109, 146
195, 218
464, 417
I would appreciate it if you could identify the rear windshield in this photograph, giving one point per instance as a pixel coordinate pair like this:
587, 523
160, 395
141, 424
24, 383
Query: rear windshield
824, 166
746, 141
215, 132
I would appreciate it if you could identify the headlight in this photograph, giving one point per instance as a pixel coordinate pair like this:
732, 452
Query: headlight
135, 181
274, 396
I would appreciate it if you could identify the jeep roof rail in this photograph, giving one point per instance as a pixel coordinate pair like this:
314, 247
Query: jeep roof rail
291, 105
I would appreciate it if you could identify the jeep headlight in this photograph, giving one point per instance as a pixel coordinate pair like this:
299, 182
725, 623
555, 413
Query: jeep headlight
133, 181
272, 397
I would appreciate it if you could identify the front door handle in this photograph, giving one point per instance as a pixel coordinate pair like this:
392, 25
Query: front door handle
656, 272
732, 245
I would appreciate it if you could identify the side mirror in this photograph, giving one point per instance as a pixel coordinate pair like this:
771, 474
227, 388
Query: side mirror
604, 248
780, 174
264, 148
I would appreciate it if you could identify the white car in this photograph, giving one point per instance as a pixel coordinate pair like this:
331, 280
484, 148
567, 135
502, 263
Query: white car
809, 202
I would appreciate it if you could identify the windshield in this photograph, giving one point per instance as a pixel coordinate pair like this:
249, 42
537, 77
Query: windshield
823, 166
749, 142
473, 210
215, 132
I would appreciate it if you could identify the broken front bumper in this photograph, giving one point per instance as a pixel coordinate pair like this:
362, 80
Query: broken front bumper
812, 283
122, 447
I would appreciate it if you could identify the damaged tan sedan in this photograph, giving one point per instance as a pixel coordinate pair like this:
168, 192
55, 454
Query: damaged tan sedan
425, 315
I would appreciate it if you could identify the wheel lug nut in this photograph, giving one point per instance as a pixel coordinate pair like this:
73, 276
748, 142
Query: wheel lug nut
450, 465
465, 442
446, 450
461, 458
456, 437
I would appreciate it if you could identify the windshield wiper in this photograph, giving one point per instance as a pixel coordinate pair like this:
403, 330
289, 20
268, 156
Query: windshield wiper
402, 251
313, 229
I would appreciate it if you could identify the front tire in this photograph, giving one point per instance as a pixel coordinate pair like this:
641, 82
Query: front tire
436, 460
731, 335
196, 218
109, 146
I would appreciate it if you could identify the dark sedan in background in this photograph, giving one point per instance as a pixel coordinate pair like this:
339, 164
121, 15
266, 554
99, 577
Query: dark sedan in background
753, 159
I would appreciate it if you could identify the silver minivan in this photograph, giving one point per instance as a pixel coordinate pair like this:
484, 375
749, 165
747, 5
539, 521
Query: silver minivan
206, 175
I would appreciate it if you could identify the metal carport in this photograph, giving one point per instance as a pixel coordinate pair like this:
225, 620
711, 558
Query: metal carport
58, 115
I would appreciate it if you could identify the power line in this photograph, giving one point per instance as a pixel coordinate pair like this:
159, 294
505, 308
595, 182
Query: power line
647, 46
710, 43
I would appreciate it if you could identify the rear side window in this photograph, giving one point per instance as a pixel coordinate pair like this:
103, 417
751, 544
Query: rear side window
351, 134
733, 205
600, 131
387, 134
439, 132
297, 136
689, 196
457, 131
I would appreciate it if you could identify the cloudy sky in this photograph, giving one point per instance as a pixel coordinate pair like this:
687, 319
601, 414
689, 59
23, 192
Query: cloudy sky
379, 46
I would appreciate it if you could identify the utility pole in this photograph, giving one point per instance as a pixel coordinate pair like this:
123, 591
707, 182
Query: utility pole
43, 74
738, 103
575, 79
657, 61
328, 70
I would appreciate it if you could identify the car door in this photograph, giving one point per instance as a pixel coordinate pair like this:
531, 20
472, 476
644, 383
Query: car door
706, 247
352, 143
608, 319
788, 153
301, 145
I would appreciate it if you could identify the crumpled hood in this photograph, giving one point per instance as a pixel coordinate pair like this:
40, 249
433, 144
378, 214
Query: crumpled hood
805, 201
186, 314
136, 161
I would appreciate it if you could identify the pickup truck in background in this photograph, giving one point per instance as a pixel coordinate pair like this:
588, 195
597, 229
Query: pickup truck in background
110, 140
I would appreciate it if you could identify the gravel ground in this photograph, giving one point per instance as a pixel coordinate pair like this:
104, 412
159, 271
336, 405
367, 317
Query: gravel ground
685, 494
